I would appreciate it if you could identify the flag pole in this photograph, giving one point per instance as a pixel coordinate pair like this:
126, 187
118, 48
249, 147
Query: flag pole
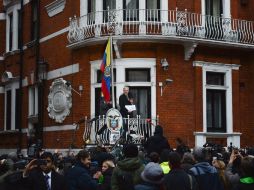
112, 72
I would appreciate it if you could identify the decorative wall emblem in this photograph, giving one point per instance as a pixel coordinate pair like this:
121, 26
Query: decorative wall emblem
59, 100
114, 120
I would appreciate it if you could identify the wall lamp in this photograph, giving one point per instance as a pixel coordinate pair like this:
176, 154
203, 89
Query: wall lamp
164, 84
80, 88
164, 64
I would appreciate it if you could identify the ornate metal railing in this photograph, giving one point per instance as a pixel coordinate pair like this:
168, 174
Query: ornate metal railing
160, 22
137, 129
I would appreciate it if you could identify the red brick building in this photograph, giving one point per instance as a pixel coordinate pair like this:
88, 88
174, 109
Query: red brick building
188, 62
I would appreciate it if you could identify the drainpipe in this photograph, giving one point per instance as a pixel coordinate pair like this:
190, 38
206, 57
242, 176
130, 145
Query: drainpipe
21, 62
39, 127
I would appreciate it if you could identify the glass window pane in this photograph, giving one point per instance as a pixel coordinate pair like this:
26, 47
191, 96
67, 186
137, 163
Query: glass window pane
214, 78
131, 12
216, 111
138, 75
8, 110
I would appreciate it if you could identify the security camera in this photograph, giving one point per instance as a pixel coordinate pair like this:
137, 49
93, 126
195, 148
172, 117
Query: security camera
164, 64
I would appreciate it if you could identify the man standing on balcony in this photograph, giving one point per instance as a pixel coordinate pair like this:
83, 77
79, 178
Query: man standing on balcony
125, 99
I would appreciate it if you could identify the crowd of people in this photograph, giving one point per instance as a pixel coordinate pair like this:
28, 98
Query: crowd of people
152, 166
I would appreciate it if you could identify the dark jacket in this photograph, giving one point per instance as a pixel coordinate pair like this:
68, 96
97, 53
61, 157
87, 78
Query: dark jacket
180, 180
106, 185
36, 181
206, 174
157, 142
147, 186
123, 101
132, 166
79, 178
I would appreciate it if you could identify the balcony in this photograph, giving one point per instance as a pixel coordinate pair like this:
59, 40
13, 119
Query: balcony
137, 129
170, 26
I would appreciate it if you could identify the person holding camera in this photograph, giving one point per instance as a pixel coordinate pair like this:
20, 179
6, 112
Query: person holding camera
40, 174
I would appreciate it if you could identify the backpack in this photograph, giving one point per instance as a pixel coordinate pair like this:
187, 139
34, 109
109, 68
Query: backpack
125, 181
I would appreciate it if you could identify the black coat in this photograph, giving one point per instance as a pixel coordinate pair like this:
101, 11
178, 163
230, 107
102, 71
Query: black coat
180, 180
79, 178
36, 181
123, 101
156, 143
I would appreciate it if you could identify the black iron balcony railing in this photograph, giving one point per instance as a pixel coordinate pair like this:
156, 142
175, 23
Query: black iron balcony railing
166, 23
137, 129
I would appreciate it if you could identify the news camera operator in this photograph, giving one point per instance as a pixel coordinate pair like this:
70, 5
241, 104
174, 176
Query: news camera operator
40, 174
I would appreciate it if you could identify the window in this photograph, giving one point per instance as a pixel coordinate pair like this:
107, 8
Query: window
10, 30
19, 29
137, 75
108, 4
8, 110
91, 12
214, 7
216, 110
152, 10
13, 21
215, 102
131, 12
33, 100
17, 104
34, 20
141, 94
12, 94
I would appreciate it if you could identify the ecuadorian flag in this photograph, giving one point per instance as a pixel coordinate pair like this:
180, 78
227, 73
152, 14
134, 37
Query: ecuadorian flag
106, 70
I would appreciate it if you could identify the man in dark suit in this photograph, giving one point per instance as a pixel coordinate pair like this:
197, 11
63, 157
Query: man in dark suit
125, 99
39, 174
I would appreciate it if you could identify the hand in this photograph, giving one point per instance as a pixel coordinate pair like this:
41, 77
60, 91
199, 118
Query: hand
97, 175
29, 167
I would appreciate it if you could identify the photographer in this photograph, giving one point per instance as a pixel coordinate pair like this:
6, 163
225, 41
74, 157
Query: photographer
233, 167
39, 174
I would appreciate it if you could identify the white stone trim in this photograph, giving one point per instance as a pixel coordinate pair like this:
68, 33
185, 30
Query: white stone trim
121, 65
62, 31
1, 90
231, 137
53, 35
200, 137
54, 128
71, 69
55, 7
2, 16
1, 58
216, 65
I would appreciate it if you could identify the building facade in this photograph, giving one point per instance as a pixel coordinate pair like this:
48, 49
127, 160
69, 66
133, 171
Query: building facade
187, 63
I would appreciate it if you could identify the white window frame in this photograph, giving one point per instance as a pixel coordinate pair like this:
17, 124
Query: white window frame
228, 89
14, 11
121, 65
33, 101
12, 86
234, 137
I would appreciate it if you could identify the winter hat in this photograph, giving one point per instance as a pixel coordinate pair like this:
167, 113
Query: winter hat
152, 173
130, 150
